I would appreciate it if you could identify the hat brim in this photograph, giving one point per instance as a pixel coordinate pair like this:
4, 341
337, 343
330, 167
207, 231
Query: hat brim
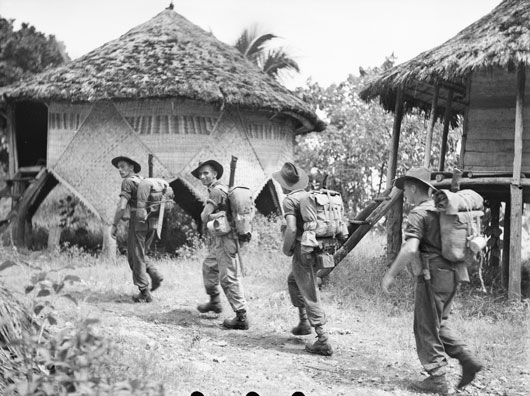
400, 181
136, 166
214, 164
300, 185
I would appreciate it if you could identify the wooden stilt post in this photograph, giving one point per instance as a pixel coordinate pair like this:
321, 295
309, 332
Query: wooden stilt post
505, 271
447, 121
516, 193
428, 140
495, 250
395, 215
465, 125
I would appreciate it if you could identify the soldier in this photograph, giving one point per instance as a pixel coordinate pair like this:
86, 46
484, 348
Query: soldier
302, 282
138, 230
221, 264
432, 305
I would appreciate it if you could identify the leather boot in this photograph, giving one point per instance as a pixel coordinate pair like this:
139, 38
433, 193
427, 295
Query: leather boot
432, 384
143, 297
213, 305
321, 346
303, 327
156, 278
239, 322
470, 368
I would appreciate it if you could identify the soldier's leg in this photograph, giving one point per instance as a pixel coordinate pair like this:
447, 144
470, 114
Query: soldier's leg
303, 327
306, 282
456, 348
230, 273
210, 276
231, 282
140, 277
150, 268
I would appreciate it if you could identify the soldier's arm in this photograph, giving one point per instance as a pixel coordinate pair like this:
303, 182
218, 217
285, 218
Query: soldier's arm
406, 254
120, 210
289, 236
206, 212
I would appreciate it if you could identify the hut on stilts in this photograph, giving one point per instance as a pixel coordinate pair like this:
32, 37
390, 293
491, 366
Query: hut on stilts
477, 78
166, 89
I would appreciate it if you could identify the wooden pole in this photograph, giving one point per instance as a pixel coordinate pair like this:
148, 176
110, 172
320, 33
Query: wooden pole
505, 271
516, 193
428, 140
395, 215
495, 250
465, 125
150, 164
447, 121
12, 141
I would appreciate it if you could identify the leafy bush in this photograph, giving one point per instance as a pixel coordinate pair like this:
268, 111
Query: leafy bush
37, 361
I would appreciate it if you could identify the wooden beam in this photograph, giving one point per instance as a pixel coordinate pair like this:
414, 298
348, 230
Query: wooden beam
11, 141
428, 140
495, 207
445, 134
516, 193
395, 215
465, 126
505, 271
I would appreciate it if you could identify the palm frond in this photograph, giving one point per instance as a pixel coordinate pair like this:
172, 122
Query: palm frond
277, 60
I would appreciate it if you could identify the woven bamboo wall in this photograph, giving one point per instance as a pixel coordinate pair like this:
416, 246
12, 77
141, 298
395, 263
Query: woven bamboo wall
491, 122
63, 121
180, 133
86, 168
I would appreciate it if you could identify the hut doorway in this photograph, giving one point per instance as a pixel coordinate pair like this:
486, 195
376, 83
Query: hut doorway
31, 131
187, 201
267, 202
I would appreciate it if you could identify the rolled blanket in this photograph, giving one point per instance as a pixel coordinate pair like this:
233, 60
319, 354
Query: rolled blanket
462, 201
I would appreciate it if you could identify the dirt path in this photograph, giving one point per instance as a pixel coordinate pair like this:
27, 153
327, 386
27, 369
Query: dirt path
169, 342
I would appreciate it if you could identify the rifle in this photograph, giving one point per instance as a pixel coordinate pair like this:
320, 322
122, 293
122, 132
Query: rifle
231, 182
428, 288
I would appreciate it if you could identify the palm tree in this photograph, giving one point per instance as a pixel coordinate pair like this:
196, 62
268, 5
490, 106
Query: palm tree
253, 46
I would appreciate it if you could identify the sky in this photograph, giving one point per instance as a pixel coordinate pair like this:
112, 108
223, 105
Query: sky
329, 39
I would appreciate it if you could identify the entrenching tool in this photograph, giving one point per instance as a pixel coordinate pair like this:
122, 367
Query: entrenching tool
231, 182
428, 287
160, 219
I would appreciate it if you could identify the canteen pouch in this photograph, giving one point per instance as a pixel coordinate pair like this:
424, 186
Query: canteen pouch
219, 225
324, 260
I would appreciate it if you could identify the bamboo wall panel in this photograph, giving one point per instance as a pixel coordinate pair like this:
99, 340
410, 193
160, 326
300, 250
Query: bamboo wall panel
63, 122
491, 126
86, 166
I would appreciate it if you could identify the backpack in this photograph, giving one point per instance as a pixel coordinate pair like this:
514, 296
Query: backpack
323, 214
242, 211
239, 212
151, 192
460, 224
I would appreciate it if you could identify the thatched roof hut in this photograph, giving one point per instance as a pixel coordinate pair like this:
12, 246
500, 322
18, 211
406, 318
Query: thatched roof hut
479, 78
500, 39
167, 89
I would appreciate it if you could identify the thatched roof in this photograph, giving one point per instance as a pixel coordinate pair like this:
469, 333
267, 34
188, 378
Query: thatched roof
167, 56
499, 39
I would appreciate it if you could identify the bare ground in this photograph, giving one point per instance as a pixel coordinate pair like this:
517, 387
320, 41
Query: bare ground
169, 342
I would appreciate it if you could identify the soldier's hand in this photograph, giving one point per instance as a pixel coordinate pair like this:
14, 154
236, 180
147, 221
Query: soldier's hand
386, 282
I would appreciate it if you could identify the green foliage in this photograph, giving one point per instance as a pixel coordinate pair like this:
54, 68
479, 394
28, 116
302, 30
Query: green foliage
26, 51
69, 362
354, 149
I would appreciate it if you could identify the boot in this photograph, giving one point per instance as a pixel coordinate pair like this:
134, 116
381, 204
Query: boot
303, 328
143, 297
213, 305
321, 346
156, 278
432, 384
239, 322
470, 368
